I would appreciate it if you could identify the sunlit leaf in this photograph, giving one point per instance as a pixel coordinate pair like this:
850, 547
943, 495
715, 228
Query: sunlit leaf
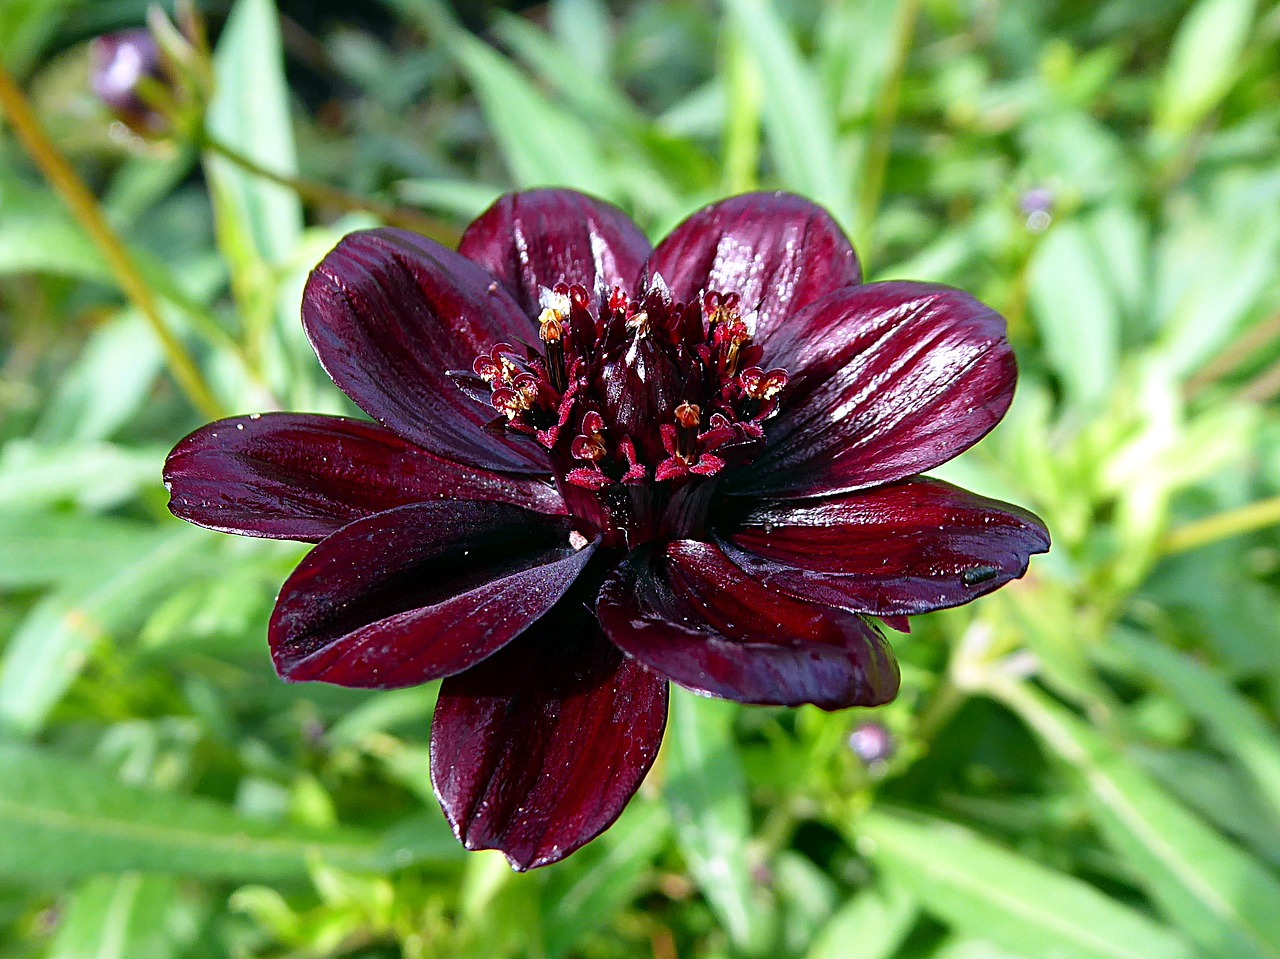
980, 888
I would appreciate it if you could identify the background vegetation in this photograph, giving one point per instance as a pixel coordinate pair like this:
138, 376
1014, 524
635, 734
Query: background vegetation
1085, 765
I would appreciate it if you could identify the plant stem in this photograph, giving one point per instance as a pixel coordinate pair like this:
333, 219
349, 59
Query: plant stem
946, 699
320, 193
85, 208
1233, 522
881, 135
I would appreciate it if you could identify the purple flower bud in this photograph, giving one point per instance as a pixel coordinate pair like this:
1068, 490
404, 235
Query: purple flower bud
120, 62
872, 743
1037, 205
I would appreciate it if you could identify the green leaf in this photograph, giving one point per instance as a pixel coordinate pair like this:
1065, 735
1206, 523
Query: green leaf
707, 797
69, 549
1203, 62
26, 27
1231, 721
614, 867
52, 645
108, 385
1078, 318
93, 475
61, 817
250, 114
122, 917
37, 235
464, 199
798, 121
982, 889
872, 925
1221, 897
542, 142
1219, 792
1215, 269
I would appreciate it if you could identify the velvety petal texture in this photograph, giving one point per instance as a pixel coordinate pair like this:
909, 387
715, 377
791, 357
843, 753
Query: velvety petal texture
778, 251
389, 313
568, 501
538, 749
540, 238
688, 612
908, 548
888, 380
419, 592
303, 476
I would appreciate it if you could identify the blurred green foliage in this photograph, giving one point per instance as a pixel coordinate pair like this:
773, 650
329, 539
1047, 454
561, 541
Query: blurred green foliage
1087, 763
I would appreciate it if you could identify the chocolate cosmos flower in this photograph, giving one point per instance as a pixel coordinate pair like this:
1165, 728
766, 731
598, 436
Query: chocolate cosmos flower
703, 468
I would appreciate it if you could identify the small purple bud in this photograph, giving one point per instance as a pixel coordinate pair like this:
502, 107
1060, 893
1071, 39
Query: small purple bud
872, 743
120, 62
1037, 205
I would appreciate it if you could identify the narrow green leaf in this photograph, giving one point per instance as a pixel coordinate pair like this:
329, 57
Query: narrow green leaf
543, 143
61, 817
93, 475
983, 889
107, 386
26, 27
798, 121
872, 925
1203, 62
123, 917
69, 548
1234, 725
464, 199
52, 645
250, 114
1221, 897
1220, 793
615, 866
1076, 313
37, 235
707, 797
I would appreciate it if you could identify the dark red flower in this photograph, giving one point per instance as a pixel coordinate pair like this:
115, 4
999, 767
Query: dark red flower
601, 467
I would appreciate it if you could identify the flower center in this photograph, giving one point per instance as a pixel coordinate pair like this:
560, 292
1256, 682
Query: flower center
640, 403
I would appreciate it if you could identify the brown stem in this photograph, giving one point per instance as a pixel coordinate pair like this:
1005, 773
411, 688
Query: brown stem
320, 193
85, 208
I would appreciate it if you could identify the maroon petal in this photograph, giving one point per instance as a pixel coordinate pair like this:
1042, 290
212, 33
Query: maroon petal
303, 476
887, 380
689, 613
419, 592
537, 750
779, 252
543, 237
891, 551
388, 313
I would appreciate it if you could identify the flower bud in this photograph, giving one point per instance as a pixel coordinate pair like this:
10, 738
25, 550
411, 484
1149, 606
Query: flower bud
872, 743
1037, 205
122, 65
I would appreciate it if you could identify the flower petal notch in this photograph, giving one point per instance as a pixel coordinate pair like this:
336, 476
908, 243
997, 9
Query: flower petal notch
532, 241
304, 476
537, 750
689, 613
897, 550
419, 592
